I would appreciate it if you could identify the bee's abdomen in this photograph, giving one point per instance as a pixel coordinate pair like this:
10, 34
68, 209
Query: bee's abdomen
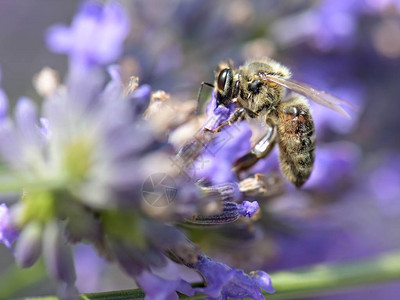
296, 140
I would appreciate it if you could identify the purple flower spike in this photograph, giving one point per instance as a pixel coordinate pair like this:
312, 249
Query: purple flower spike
8, 234
223, 281
230, 213
95, 36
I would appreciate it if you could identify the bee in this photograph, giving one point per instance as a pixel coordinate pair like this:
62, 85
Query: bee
260, 90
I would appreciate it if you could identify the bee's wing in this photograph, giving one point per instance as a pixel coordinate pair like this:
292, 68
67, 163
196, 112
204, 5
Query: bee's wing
318, 96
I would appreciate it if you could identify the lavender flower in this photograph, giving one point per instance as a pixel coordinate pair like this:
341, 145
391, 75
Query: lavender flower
223, 281
93, 150
88, 146
96, 34
327, 25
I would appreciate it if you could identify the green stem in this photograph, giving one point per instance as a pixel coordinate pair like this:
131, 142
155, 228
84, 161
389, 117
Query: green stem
299, 283
322, 279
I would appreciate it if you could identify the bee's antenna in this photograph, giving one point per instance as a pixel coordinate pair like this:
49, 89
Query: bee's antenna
199, 94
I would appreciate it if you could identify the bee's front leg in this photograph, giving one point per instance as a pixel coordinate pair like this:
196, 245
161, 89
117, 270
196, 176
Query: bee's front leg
238, 115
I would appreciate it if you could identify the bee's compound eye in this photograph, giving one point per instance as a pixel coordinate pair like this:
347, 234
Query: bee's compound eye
223, 75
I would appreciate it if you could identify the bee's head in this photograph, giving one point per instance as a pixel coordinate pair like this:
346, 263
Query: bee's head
224, 86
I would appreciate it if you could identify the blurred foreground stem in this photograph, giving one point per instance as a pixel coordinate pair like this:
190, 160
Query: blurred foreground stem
10, 184
311, 281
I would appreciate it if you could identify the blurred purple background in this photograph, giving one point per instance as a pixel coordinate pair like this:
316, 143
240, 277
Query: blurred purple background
350, 207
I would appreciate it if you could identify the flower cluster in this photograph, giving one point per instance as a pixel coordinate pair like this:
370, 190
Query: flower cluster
89, 163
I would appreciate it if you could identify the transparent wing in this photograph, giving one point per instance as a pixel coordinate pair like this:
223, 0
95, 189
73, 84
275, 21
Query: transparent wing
316, 95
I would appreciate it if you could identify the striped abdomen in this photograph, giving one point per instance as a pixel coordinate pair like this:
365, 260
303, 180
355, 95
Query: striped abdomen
296, 139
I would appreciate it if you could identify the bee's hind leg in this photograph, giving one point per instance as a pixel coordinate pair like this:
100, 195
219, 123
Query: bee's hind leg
260, 150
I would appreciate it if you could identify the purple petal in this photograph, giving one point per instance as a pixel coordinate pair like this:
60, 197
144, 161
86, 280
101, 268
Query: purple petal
8, 234
26, 117
217, 160
45, 128
216, 275
128, 256
28, 247
157, 288
57, 254
140, 99
115, 27
248, 209
89, 267
115, 73
217, 114
3, 105
59, 39
263, 280
171, 271
113, 89
10, 147
223, 282
83, 85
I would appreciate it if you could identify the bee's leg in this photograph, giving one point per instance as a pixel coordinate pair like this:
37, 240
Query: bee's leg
238, 115
199, 94
260, 150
